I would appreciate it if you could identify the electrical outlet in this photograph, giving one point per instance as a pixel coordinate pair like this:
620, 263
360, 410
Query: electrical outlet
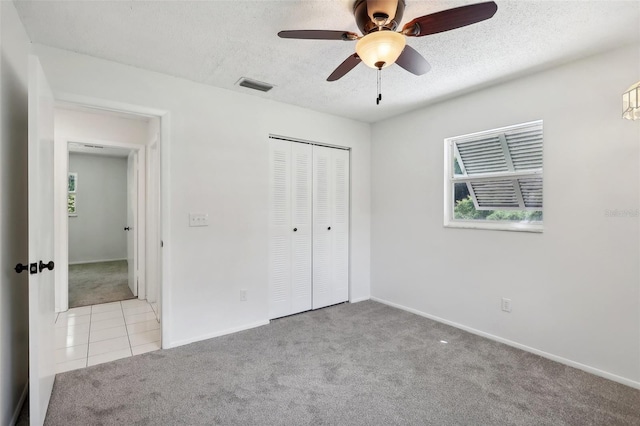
506, 304
198, 219
243, 295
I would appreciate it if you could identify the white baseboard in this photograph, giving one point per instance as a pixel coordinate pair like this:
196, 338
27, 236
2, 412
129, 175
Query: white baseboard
94, 261
216, 334
561, 360
360, 299
21, 401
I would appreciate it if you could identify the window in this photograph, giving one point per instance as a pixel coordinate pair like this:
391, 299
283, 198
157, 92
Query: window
493, 179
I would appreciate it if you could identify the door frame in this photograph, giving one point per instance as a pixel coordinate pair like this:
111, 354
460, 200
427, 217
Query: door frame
154, 238
62, 248
163, 181
138, 213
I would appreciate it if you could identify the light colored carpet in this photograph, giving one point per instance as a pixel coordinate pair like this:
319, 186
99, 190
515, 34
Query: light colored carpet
101, 282
360, 364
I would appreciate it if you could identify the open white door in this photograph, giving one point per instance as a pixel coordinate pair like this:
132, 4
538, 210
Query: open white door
132, 219
41, 244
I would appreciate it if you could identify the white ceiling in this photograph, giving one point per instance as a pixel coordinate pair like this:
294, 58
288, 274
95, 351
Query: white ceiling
217, 42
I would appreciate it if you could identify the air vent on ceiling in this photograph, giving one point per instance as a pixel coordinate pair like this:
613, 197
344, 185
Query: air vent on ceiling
255, 85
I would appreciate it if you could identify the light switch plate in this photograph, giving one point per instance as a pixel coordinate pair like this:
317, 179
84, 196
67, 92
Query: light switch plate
506, 304
198, 219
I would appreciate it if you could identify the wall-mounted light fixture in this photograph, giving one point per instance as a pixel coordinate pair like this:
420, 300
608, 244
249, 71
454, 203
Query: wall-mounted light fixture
631, 103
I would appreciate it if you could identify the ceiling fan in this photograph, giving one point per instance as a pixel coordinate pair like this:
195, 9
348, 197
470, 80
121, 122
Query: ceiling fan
380, 45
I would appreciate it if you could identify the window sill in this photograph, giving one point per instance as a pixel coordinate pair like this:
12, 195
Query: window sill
495, 226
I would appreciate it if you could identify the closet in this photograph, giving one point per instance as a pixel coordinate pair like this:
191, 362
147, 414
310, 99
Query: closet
308, 227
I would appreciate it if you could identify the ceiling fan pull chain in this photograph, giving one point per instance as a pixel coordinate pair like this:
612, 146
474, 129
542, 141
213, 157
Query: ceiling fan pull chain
379, 98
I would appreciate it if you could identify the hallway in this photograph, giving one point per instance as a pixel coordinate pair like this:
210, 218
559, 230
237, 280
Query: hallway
101, 333
98, 283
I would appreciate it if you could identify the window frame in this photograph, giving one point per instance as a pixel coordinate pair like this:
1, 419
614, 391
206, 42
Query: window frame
450, 180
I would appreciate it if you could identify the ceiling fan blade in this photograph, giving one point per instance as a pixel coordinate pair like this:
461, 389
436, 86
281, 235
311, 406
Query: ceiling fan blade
450, 19
345, 67
318, 35
412, 61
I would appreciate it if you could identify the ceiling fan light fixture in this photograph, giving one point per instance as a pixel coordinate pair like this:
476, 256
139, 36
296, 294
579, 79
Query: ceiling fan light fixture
381, 48
631, 103
382, 7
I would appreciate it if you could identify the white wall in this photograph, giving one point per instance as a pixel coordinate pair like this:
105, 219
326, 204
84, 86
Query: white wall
216, 162
575, 288
97, 232
75, 125
14, 339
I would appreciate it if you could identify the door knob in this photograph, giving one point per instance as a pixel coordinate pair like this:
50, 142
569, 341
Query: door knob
32, 267
20, 267
295, 229
329, 229
48, 266
127, 228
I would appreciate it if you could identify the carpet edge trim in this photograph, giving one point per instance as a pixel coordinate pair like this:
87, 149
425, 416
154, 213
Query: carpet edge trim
552, 357
216, 334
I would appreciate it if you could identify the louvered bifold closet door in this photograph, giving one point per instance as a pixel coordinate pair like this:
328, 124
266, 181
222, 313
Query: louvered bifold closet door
340, 226
330, 226
289, 209
301, 217
321, 223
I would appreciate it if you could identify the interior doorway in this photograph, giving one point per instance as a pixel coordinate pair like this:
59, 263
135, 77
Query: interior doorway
103, 186
102, 205
108, 226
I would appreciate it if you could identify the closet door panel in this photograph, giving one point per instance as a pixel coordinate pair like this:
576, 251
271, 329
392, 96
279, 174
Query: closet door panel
308, 227
301, 219
322, 214
280, 294
340, 226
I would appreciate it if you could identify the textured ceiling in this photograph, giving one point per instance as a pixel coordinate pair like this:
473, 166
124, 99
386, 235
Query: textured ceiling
217, 42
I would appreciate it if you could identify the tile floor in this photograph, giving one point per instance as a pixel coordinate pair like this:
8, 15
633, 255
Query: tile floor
96, 334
